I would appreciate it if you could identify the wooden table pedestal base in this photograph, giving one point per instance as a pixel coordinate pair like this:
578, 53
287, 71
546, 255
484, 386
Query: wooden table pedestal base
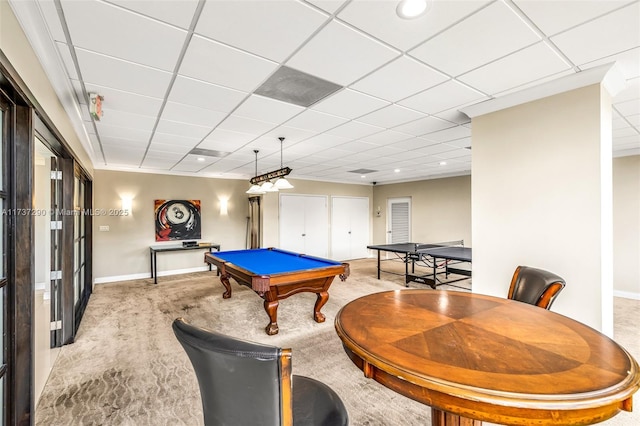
442, 418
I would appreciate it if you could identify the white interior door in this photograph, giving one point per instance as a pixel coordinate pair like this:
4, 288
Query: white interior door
292, 223
399, 222
304, 224
360, 220
316, 228
349, 227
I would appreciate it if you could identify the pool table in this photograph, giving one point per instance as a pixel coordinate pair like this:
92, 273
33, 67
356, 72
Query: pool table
276, 274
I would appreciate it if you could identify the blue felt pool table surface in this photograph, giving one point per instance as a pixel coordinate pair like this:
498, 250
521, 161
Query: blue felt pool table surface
271, 261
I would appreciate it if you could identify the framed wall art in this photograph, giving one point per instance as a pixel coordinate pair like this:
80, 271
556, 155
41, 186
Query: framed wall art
177, 220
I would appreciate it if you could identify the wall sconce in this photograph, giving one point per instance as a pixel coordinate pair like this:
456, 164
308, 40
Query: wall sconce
223, 206
378, 212
127, 204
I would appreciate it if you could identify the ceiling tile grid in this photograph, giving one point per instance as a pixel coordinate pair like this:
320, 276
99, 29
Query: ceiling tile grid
177, 75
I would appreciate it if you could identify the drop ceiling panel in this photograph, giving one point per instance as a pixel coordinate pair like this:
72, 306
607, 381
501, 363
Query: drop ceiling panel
139, 137
271, 29
123, 155
632, 90
325, 141
225, 140
341, 54
216, 63
450, 134
613, 33
408, 76
157, 164
386, 137
349, 104
391, 116
204, 95
526, 66
315, 121
423, 126
269, 110
125, 101
436, 149
180, 141
246, 125
330, 6
67, 59
443, 97
634, 120
555, 16
631, 107
137, 39
176, 12
379, 19
167, 147
164, 155
189, 114
478, 40
354, 130
114, 117
460, 154
122, 75
413, 143
357, 146
291, 134
183, 129
50, 15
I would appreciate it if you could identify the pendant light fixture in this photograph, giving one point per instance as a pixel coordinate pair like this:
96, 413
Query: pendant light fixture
256, 189
282, 183
262, 183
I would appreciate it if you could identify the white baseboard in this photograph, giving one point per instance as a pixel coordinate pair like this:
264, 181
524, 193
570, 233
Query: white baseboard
114, 278
626, 294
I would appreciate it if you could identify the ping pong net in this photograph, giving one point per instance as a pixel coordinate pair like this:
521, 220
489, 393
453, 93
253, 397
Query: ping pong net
430, 246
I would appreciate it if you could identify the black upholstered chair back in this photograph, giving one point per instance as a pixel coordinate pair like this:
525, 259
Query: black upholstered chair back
239, 381
535, 286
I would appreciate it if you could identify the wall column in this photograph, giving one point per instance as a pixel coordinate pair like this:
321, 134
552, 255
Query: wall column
542, 195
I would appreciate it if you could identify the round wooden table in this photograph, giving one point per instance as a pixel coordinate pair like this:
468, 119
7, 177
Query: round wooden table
476, 358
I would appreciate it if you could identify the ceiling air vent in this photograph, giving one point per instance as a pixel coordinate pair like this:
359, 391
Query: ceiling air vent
208, 152
296, 87
362, 171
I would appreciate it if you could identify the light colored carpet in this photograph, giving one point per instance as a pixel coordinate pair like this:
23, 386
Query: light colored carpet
127, 368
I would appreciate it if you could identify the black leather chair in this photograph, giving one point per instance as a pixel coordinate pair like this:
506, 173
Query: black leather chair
535, 286
246, 383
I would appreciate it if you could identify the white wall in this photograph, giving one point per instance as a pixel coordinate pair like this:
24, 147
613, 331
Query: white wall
541, 196
626, 226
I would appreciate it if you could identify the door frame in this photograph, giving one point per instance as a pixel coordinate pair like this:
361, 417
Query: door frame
390, 202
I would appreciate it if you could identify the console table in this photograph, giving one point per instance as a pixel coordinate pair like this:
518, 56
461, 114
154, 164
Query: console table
154, 250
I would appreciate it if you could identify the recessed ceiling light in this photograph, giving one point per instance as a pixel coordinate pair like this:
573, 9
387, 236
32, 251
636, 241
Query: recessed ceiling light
200, 159
411, 9
396, 171
363, 176
443, 163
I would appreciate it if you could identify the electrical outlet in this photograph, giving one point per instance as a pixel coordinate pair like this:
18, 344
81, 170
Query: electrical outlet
104, 228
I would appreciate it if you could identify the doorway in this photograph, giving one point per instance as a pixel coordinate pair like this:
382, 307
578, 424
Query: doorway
399, 220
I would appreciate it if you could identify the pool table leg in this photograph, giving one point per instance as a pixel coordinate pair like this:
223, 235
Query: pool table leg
271, 307
323, 296
224, 279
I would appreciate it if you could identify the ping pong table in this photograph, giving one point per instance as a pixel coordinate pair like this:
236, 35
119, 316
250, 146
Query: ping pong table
439, 258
